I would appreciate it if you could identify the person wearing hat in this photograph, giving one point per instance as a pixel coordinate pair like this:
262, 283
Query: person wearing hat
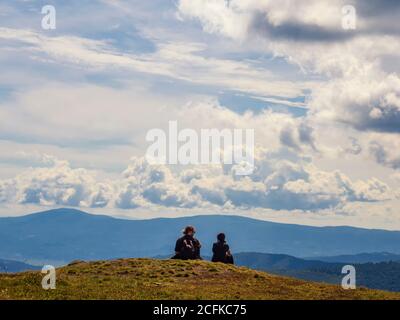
187, 247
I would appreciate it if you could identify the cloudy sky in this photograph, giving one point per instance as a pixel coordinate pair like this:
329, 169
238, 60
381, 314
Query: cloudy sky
76, 104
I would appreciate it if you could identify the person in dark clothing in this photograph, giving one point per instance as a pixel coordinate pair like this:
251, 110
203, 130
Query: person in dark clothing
221, 251
187, 247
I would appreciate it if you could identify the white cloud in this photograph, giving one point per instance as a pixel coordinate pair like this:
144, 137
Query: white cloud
93, 116
366, 103
276, 184
319, 161
358, 88
55, 185
176, 60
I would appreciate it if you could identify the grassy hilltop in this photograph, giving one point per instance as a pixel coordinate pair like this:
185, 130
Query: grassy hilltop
171, 279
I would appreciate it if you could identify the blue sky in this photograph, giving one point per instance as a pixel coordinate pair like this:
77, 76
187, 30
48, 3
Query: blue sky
76, 103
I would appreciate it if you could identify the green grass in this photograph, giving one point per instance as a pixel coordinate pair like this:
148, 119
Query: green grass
171, 279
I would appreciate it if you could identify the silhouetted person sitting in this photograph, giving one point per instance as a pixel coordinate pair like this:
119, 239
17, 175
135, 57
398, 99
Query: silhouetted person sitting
187, 247
221, 252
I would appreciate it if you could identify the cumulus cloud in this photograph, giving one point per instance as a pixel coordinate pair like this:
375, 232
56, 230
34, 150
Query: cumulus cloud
144, 184
359, 87
303, 20
278, 185
54, 185
239, 19
371, 103
297, 137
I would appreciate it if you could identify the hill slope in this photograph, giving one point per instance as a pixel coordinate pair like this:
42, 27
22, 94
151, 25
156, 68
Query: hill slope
62, 235
171, 279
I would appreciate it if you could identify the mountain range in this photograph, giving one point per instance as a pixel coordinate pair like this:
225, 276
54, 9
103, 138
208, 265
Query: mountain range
380, 275
15, 266
62, 235
364, 257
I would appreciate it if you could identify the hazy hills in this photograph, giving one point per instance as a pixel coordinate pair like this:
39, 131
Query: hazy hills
15, 266
63, 235
361, 258
381, 275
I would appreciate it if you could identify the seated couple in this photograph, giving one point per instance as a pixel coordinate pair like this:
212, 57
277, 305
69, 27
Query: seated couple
188, 247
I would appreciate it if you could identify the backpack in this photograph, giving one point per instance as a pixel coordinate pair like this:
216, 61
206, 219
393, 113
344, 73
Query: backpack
188, 249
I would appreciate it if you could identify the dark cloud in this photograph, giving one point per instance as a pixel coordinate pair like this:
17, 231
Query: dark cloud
379, 17
306, 135
374, 8
389, 121
298, 137
298, 31
287, 138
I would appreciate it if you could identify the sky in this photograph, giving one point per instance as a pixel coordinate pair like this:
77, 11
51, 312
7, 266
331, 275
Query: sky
77, 101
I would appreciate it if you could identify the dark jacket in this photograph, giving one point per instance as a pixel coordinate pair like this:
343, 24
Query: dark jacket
220, 253
187, 247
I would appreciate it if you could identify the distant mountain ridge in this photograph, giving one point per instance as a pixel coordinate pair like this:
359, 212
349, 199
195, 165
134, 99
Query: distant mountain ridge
382, 275
364, 257
8, 266
271, 262
63, 235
